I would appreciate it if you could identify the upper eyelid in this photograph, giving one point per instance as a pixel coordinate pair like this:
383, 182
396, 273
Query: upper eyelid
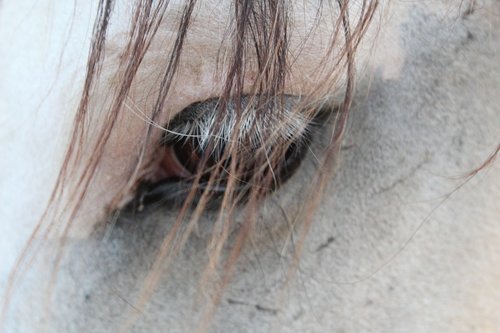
197, 121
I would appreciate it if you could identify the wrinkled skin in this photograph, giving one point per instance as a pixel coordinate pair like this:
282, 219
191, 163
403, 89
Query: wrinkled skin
396, 245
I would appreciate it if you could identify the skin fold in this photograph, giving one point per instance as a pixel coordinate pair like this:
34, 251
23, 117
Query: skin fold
402, 240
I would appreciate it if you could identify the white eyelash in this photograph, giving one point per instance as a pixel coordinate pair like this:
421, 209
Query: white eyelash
276, 126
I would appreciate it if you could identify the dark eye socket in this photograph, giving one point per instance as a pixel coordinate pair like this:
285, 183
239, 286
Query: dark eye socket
183, 158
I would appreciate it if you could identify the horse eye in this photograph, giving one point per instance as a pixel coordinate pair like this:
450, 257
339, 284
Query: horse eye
185, 156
